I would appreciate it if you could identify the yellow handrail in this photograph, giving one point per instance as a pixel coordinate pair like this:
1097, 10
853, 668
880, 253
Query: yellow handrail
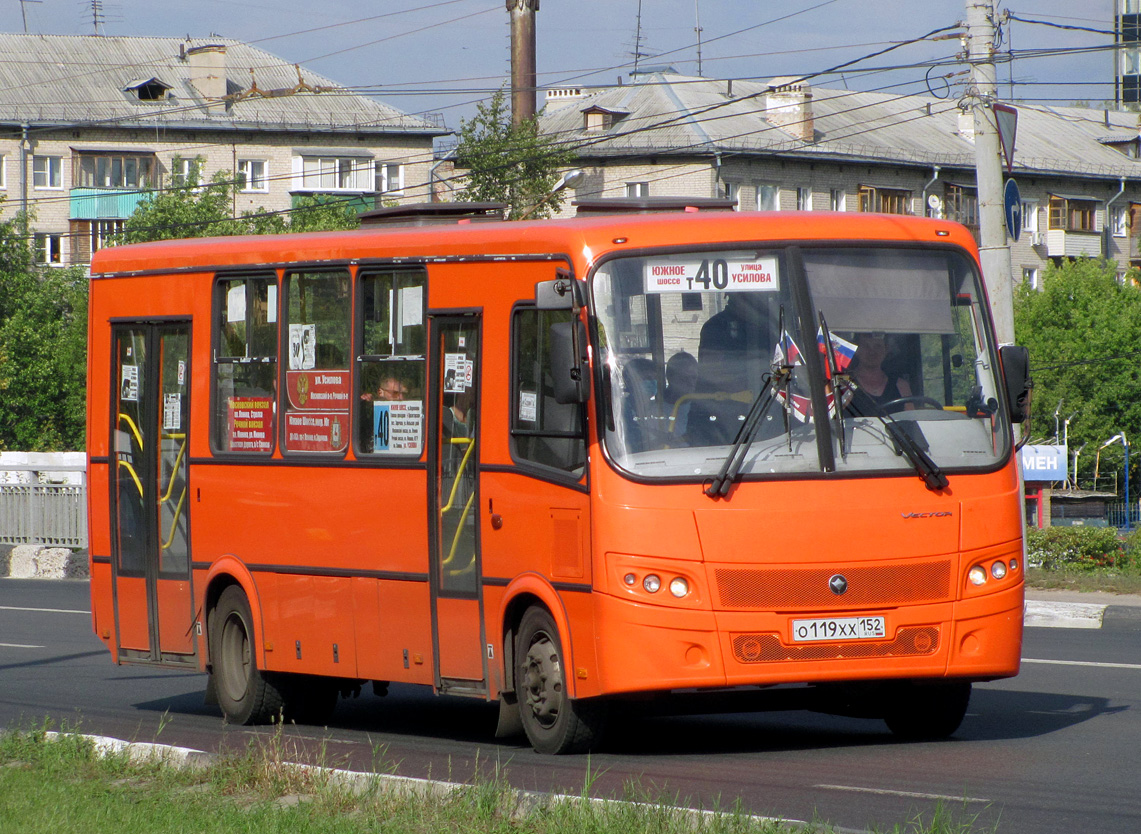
174, 521
134, 477
456, 537
458, 441
134, 429
177, 461
736, 396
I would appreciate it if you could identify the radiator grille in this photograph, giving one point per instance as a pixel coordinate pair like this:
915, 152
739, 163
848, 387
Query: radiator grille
868, 586
768, 648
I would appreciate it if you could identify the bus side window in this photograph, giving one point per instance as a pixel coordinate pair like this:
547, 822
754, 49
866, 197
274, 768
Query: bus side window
245, 364
543, 431
391, 358
317, 377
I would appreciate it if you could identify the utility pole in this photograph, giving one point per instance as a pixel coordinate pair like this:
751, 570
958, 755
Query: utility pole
993, 249
523, 76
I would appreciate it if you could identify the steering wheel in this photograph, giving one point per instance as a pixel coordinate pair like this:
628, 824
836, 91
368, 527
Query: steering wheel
898, 403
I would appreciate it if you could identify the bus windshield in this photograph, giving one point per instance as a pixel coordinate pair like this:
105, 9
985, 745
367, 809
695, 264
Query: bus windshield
850, 359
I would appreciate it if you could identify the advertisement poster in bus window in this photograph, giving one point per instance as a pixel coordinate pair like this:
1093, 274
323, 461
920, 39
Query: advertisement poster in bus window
302, 346
458, 373
129, 386
398, 426
316, 431
249, 422
318, 390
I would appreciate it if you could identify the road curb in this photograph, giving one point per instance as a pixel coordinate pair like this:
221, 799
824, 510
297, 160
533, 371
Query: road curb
359, 782
38, 561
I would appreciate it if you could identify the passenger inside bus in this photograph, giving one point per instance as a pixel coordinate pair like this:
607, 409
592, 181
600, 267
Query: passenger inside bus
681, 381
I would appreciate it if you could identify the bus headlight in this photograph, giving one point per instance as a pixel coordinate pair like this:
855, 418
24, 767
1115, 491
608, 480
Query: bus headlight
977, 575
998, 570
652, 583
629, 579
679, 587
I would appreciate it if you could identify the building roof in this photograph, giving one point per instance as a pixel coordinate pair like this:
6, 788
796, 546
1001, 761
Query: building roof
672, 114
94, 80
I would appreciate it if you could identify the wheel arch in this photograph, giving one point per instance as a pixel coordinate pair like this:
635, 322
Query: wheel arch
224, 573
522, 593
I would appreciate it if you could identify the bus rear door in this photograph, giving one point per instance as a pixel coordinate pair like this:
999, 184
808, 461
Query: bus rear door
150, 547
454, 544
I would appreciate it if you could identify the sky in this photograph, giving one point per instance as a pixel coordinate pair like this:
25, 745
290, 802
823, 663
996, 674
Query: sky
443, 56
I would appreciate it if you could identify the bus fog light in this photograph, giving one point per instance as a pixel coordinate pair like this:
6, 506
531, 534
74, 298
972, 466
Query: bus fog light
652, 583
998, 570
977, 575
629, 579
679, 587
1013, 565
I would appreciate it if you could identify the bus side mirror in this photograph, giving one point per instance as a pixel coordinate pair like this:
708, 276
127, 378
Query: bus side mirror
560, 294
568, 362
1019, 386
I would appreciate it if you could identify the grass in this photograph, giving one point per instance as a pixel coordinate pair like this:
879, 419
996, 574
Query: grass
59, 784
1123, 581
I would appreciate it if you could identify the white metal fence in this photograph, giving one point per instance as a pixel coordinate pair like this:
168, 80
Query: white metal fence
43, 500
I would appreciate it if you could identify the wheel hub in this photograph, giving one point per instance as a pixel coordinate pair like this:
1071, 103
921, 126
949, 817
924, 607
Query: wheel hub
543, 681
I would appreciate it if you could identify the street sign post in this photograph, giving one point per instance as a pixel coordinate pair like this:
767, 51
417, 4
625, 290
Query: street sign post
1012, 209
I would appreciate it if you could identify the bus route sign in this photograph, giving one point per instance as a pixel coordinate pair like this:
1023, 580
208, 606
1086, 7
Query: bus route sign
711, 275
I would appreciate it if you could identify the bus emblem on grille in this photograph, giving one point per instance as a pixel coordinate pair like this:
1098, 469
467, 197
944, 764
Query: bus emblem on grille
838, 584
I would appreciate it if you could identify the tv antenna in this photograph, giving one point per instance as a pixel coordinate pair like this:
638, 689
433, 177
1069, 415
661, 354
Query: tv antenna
97, 18
24, 12
697, 28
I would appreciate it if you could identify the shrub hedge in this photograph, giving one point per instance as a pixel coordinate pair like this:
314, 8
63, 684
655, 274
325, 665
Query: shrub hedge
1082, 548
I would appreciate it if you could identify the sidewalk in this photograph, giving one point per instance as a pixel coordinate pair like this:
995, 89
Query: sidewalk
1091, 597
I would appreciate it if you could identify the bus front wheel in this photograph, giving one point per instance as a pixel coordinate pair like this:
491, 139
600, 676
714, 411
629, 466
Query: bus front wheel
244, 693
554, 722
928, 711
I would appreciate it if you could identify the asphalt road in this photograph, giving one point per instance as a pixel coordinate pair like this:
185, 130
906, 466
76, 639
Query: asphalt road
1057, 749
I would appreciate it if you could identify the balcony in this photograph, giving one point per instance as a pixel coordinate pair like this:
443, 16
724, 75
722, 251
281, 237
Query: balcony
104, 203
1063, 244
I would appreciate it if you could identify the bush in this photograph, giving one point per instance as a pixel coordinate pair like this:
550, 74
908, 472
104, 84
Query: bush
1080, 548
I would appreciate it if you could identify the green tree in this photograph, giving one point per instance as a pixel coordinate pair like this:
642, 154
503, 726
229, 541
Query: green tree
43, 348
1083, 329
206, 210
509, 163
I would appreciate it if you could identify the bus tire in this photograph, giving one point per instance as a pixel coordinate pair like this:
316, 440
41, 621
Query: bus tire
554, 723
245, 694
926, 712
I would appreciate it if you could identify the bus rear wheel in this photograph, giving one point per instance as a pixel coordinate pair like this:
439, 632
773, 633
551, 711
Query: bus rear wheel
928, 711
245, 695
554, 722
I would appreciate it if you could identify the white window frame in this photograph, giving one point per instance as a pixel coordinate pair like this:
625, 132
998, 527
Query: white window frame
386, 182
102, 230
838, 199
3, 172
1119, 220
803, 198
182, 167
49, 248
47, 172
774, 197
256, 184
1030, 219
637, 189
327, 174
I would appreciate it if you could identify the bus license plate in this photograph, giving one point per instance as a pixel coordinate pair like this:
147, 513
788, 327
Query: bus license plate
838, 628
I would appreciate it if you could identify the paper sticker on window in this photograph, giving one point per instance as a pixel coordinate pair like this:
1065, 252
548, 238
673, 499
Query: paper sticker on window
528, 406
236, 303
129, 385
457, 373
171, 412
711, 275
411, 306
302, 346
181, 372
271, 304
398, 426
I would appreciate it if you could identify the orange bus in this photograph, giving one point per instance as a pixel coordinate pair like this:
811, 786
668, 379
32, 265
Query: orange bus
560, 465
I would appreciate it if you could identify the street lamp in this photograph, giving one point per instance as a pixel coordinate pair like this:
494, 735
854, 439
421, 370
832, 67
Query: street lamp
1077, 455
571, 179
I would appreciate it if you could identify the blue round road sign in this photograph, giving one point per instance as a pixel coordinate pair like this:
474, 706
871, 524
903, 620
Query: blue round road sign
1012, 209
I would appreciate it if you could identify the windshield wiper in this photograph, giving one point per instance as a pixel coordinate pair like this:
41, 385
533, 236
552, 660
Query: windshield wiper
910, 442
719, 486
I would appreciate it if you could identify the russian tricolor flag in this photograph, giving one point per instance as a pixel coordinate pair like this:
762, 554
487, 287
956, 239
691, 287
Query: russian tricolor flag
842, 350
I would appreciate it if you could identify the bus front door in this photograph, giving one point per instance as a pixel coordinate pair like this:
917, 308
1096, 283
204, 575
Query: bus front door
457, 600
154, 612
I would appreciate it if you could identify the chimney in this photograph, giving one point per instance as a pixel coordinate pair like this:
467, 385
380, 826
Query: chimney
788, 105
208, 70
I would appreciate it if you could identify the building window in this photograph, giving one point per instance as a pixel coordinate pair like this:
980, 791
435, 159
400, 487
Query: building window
330, 173
637, 189
102, 232
728, 190
768, 197
1119, 218
1030, 220
389, 178
187, 172
962, 206
114, 171
245, 365
49, 248
1072, 214
884, 200
1030, 276
3, 171
253, 175
47, 171
804, 199
838, 200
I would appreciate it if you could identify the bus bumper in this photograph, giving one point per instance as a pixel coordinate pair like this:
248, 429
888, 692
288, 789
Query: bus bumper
646, 648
